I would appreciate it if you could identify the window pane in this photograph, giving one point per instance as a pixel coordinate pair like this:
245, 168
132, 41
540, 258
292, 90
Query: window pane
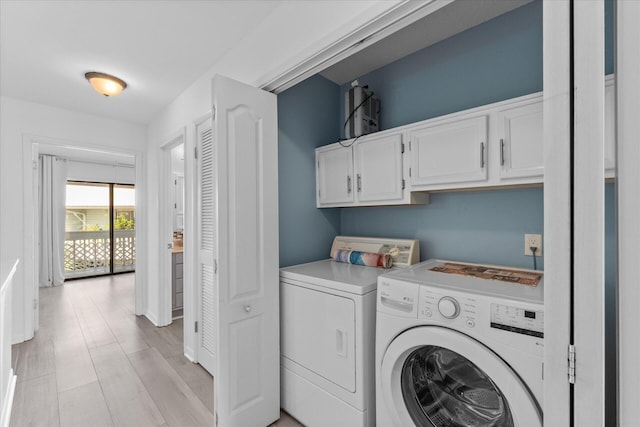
87, 246
124, 221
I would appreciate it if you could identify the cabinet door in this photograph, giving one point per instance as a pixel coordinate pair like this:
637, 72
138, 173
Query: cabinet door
334, 177
378, 165
449, 153
609, 128
520, 139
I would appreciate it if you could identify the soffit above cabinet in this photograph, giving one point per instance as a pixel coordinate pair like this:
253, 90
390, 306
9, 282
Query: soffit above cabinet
454, 18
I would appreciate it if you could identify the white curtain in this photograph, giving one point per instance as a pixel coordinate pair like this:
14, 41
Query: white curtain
52, 195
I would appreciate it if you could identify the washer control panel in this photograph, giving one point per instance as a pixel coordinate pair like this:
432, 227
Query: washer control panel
461, 309
449, 307
516, 319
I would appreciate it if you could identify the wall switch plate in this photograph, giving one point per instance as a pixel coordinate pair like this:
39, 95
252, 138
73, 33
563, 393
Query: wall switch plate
532, 240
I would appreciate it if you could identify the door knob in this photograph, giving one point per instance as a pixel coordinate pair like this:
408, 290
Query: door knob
247, 308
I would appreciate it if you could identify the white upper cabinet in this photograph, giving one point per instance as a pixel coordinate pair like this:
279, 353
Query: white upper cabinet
378, 166
334, 176
518, 133
367, 171
494, 145
449, 153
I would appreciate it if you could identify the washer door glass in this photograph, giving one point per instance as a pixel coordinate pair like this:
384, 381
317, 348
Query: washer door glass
444, 389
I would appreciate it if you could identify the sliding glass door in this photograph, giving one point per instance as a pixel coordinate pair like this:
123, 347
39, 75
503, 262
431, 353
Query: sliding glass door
99, 229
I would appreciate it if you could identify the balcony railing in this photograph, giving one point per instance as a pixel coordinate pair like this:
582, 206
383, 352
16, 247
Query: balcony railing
87, 253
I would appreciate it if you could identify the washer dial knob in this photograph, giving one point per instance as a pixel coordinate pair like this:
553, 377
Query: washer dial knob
449, 307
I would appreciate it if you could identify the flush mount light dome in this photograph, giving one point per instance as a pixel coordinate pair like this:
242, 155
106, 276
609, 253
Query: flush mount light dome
105, 84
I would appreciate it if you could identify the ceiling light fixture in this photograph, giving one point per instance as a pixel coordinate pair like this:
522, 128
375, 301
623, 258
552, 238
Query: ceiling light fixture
105, 84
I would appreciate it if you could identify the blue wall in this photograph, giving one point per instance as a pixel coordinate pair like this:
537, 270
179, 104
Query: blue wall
494, 61
475, 226
307, 118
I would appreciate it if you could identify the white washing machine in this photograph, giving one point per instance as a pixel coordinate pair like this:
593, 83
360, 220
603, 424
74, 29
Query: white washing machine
327, 334
459, 346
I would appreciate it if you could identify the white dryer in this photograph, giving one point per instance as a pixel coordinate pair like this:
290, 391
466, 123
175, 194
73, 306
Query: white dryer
459, 346
327, 334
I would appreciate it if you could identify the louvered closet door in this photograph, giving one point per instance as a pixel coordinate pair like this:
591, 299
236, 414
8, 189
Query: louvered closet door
206, 246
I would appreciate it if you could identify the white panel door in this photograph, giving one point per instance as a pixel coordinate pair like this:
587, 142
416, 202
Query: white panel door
334, 177
449, 153
520, 138
378, 164
247, 374
207, 236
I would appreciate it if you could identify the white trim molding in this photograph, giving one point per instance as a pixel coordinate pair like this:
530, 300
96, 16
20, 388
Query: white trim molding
557, 209
165, 225
329, 52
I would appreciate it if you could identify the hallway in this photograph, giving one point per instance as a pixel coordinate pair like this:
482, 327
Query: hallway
94, 363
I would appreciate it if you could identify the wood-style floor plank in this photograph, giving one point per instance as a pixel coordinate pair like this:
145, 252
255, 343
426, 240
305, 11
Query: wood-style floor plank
36, 403
93, 362
74, 367
178, 403
95, 330
126, 396
34, 359
196, 377
84, 406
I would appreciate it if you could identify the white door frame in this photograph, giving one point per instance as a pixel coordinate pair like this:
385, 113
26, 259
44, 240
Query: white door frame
627, 66
165, 222
34, 145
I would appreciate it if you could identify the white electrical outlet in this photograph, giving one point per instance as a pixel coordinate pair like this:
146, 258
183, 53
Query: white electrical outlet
534, 240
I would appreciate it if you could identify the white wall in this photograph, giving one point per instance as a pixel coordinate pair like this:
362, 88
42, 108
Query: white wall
294, 32
20, 118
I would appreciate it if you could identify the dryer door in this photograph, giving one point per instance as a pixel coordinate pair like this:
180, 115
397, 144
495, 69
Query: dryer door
433, 376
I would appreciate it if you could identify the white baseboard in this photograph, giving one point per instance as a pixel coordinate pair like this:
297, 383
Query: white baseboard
7, 405
190, 354
152, 317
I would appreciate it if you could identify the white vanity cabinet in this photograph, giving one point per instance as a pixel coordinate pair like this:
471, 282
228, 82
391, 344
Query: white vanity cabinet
448, 153
367, 171
518, 137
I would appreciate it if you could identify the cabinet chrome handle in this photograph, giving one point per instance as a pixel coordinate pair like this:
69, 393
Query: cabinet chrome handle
247, 308
482, 155
501, 152
348, 183
359, 183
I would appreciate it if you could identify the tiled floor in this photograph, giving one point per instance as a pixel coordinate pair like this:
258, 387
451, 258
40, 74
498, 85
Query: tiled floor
94, 363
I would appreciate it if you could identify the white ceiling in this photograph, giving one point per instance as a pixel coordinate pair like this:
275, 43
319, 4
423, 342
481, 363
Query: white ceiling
158, 47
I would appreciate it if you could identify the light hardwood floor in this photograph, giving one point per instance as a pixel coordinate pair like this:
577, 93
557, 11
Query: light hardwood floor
94, 363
